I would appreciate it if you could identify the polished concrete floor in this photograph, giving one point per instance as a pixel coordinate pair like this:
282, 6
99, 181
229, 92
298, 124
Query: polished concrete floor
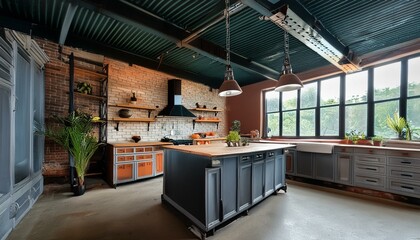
134, 211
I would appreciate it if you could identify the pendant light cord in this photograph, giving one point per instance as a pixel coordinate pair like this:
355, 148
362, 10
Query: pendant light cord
227, 33
286, 64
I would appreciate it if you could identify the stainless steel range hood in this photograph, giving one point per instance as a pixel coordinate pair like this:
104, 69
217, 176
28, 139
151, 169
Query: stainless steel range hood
175, 107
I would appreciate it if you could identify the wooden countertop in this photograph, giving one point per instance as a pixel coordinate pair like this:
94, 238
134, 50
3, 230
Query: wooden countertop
342, 145
221, 149
139, 144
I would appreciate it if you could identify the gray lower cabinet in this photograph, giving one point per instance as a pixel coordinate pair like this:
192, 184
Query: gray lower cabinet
229, 187
304, 164
403, 175
269, 174
323, 166
344, 169
257, 180
245, 182
279, 169
370, 168
290, 159
212, 196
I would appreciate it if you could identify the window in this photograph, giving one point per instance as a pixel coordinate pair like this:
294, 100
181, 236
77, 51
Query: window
289, 107
23, 130
369, 96
308, 103
329, 104
413, 93
38, 110
4, 139
272, 102
355, 117
386, 81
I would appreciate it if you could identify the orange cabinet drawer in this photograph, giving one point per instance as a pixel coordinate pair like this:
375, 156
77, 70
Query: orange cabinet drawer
159, 163
124, 150
125, 158
144, 157
144, 149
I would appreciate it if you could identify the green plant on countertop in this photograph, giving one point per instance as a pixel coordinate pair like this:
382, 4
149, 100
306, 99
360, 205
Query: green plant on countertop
233, 138
236, 126
245, 141
74, 133
400, 126
355, 136
377, 140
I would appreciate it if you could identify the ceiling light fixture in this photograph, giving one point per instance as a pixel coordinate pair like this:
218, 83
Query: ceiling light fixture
229, 86
288, 81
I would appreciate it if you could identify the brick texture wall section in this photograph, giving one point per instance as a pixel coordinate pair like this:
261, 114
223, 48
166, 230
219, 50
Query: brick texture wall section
150, 87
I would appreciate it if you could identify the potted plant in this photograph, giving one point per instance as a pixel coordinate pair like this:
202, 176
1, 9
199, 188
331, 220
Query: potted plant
377, 140
356, 137
233, 139
236, 126
400, 126
74, 133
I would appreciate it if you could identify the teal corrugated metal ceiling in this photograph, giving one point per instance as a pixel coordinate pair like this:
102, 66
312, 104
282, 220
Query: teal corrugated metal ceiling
187, 38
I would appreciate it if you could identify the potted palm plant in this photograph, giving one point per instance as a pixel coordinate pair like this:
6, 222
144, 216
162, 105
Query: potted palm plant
74, 133
400, 126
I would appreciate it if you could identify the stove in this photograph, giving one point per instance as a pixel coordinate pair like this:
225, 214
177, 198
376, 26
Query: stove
177, 141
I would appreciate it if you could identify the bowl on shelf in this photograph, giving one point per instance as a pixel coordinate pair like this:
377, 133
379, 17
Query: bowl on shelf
124, 113
136, 138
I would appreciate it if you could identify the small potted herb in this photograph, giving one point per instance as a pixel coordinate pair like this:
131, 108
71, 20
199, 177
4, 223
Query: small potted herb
233, 139
377, 140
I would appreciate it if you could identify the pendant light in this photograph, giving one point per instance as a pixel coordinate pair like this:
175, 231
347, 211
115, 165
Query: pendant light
229, 86
288, 81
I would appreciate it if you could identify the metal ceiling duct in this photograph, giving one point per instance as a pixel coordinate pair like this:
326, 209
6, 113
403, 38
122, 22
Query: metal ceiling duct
307, 29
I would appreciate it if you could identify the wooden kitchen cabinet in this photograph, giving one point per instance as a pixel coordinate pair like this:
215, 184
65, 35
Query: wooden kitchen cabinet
323, 166
132, 162
304, 167
290, 155
344, 169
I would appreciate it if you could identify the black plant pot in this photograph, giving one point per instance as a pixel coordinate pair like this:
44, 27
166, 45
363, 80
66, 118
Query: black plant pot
79, 189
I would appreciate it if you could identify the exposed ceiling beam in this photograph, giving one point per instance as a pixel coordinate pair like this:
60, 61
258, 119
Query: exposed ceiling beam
68, 18
294, 18
126, 56
147, 22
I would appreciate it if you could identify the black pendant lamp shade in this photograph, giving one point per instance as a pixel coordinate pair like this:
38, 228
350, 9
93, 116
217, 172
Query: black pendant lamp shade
229, 86
288, 81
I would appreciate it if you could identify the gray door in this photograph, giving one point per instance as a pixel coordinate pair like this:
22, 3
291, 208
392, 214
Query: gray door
269, 176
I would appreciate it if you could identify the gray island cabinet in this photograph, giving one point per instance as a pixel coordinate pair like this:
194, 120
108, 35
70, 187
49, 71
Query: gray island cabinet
210, 184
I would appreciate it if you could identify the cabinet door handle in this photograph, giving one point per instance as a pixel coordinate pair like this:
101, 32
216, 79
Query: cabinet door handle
406, 162
371, 180
407, 187
371, 169
406, 175
245, 158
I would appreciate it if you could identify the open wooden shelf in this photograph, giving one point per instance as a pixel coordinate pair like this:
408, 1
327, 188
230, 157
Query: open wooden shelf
101, 76
133, 119
207, 120
206, 110
84, 95
118, 120
133, 106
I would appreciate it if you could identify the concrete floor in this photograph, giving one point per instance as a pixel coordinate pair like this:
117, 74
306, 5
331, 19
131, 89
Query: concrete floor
134, 211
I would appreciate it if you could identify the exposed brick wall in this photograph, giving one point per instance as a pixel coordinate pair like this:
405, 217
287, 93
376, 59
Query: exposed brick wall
150, 87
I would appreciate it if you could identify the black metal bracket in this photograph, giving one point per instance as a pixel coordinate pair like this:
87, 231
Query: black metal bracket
117, 127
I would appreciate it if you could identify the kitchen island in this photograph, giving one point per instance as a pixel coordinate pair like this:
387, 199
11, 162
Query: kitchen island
211, 184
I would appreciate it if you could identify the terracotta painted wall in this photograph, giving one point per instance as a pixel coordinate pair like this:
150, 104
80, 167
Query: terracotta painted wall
151, 90
248, 107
